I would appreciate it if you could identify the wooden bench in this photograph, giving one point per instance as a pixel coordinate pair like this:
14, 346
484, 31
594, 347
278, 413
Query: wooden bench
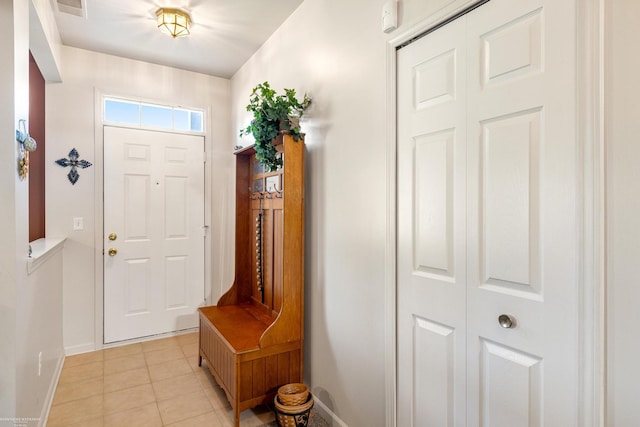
252, 340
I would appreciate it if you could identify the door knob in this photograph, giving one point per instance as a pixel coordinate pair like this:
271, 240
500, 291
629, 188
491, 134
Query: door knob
113, 251
113, 236
506, 321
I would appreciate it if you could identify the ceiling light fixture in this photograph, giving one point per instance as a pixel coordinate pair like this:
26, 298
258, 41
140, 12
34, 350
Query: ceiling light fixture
173, 22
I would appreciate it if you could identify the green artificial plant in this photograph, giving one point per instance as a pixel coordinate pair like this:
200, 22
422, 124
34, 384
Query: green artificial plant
273, 113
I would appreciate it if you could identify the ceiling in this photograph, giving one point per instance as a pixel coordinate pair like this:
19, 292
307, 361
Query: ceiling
224, 33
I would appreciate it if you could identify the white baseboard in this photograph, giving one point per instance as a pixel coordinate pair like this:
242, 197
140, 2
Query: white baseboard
46, 408
79, 349
328, 414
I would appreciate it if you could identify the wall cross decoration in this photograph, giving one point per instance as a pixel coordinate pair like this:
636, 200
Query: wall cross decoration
74, 163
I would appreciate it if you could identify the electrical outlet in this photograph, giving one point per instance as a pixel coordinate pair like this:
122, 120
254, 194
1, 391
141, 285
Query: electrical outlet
78, 223
39, 363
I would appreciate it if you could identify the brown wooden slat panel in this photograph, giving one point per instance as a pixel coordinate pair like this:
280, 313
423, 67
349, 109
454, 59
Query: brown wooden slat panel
295, 367
259, 377
246, 373
283, 368
278, 261
267, 258
272, 373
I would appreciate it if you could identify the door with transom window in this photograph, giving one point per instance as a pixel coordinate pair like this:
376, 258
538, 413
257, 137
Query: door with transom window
153, 232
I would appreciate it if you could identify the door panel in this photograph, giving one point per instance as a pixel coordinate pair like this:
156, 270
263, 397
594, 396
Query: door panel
510, 387
521, 190
154, 203
431, 230
487, 184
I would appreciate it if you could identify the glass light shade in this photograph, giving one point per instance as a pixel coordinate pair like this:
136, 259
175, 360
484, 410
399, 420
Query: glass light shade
173, 22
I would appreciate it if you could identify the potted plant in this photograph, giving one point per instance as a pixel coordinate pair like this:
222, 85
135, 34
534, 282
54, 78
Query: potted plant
272, 114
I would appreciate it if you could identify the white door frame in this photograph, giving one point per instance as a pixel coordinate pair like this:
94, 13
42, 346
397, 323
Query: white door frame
99, 205
590, 210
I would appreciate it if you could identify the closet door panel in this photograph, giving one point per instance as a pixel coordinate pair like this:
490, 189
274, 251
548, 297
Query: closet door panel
521, 203
431, 228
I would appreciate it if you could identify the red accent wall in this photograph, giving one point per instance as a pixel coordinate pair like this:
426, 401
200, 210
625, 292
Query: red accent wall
36, 158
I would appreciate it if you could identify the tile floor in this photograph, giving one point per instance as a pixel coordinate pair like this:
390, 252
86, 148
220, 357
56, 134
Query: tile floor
149, 384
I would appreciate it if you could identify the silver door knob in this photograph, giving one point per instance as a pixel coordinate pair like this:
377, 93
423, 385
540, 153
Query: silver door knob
506, 321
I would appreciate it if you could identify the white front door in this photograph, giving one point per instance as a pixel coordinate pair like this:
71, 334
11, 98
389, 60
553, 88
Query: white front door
487, 224
154, 221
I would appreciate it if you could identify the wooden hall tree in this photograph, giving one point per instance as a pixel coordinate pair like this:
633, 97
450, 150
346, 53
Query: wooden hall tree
252, 339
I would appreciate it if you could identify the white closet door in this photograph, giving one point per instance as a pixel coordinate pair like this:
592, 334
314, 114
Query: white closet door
522, 215
487, 225
431, 229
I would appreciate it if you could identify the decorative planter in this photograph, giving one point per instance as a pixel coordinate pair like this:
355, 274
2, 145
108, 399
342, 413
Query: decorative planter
293, 415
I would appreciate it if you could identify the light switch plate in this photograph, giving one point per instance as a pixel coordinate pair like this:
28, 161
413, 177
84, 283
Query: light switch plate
78, 223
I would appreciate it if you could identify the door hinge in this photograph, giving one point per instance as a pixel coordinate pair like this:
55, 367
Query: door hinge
204, 157
205, 230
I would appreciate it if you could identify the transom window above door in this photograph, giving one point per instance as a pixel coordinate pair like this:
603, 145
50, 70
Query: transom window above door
139, 114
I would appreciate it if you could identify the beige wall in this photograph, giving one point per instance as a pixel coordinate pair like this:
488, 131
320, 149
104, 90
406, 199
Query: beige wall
622, 92
336, 51
39, 321
14, 86
71, 123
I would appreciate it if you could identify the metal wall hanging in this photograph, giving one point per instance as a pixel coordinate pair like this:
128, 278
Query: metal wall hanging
27, 144
74, 163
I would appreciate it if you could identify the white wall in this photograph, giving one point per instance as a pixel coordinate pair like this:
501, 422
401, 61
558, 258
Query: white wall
44, 39
14, 105
622, 91
336, 51
71, 123
39, 330
30, 306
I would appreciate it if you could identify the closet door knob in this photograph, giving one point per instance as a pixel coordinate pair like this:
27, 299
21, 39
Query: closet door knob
113, 252
506, 321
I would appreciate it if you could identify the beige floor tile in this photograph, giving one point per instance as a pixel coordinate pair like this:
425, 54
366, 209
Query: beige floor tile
160, 356
161, 344
183, 407
83, 372
122, 364
188, 338
248, 418
193, 362
78, 411
190, 350
206, 378
210, 419
172, 368
94, 422
143, 416
122, 351
176, 386
217, 397
69, 392
127, 379
129, 398
81, 359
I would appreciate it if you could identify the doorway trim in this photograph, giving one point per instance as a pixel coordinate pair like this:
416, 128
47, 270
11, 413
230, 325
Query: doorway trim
99, 96
590, 209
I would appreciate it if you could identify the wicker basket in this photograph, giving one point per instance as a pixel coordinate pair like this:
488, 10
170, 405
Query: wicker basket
293, 394
293, 415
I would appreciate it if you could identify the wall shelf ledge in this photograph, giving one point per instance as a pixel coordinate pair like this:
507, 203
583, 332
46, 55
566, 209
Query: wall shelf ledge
42, 250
